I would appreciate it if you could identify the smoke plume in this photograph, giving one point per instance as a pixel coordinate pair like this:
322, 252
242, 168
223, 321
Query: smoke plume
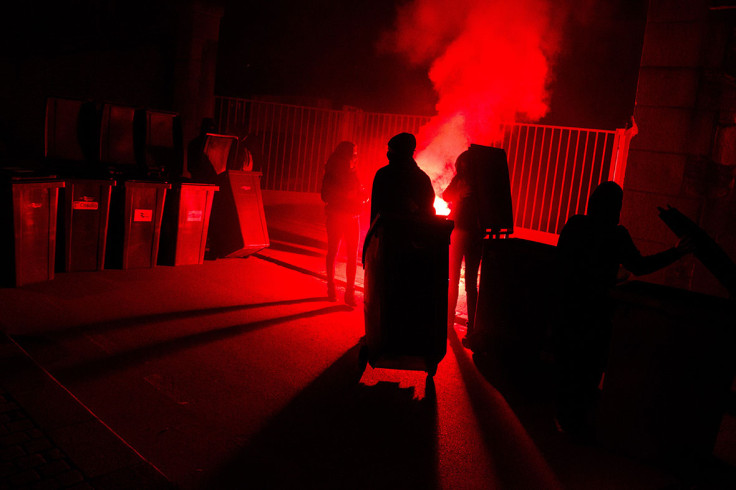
489, 62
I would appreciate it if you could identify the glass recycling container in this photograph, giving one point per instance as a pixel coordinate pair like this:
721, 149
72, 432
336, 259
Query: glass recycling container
28, 219
185, 224
83, 217
238, 219
136, 211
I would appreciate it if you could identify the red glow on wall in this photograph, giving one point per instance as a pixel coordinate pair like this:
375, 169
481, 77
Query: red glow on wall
489, 63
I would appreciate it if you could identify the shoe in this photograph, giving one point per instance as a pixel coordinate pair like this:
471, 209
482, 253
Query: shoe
331, 293
350, 298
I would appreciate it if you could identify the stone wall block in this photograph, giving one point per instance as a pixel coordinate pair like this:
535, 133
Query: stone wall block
662, 129
641, 217
677, 10
673, 44
667, 87
660, 173
702, 132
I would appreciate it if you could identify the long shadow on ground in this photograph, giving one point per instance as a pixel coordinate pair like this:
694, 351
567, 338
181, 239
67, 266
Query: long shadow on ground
97, 367
518, 463
339, 433
133, 321
528, 387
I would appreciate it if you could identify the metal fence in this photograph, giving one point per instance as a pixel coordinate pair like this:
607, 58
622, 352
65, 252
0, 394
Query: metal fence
552, 169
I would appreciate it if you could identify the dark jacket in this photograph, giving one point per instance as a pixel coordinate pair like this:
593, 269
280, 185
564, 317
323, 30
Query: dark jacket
590, 253
402, 188
342, 192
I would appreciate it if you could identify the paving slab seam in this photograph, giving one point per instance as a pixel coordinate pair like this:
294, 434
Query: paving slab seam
29, 457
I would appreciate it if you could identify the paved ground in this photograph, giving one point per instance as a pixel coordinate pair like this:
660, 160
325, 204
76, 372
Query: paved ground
49, 439
239, 373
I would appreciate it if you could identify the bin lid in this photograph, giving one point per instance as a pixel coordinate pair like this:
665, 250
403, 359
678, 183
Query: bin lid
15, 176
147, 183
72, 181
18, 173
712, 256
206, 187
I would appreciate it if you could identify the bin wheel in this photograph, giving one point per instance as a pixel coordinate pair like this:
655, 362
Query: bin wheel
362, 359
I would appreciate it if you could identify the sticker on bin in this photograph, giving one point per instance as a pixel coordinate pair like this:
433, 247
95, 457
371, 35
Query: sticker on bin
35, 205
194, 215
246, 187
85, 204
143, 215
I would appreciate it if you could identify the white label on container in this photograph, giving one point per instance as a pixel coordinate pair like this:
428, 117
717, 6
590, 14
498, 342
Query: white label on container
35, 205
85, 205
246, 188
195, 215
143, 215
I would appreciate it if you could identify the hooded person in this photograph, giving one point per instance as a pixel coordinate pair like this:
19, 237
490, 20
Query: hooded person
401, 187
591, 250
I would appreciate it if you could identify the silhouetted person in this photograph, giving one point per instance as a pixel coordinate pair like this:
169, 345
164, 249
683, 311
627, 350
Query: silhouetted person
466, 242
401, 187
344, 198
591, 249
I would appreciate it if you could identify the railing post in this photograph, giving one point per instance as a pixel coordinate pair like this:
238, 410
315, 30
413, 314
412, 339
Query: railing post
620, 156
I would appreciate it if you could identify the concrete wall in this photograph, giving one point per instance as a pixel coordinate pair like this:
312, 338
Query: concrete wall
684, 153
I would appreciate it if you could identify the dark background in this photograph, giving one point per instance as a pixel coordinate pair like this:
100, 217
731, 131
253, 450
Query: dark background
327, 49
131, 53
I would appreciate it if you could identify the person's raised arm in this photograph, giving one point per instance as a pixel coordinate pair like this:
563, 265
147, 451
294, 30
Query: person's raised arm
640, 264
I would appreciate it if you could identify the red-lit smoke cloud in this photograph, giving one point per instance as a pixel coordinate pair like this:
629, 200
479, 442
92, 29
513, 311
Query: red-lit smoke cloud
489, 61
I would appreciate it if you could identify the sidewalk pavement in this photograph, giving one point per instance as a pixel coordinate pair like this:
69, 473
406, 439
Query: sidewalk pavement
240, 368
49, 439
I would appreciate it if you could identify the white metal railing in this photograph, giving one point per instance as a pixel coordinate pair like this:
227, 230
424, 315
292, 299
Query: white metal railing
552, 169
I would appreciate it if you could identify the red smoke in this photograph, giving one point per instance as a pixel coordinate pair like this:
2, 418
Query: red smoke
489, 63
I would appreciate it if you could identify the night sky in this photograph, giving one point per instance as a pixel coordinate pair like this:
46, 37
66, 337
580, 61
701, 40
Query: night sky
330, 49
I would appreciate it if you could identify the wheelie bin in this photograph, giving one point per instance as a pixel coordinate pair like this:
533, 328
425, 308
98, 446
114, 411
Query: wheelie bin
136, 211
406, 280
671, 364
669, 375
238, 226
515, 301
82, 227
28, 221
185, 224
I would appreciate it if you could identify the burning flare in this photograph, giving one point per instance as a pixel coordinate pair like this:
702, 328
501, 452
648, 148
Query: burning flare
440, 206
